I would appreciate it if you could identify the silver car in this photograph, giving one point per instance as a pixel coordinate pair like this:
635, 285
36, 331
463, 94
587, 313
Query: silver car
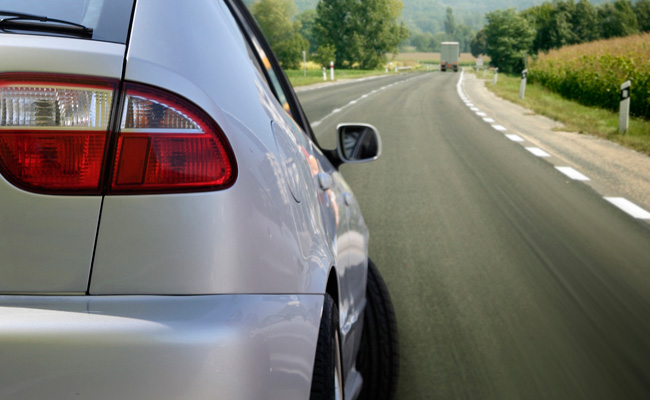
169, 226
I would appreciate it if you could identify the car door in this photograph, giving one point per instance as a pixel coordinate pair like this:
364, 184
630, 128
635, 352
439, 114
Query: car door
326, 193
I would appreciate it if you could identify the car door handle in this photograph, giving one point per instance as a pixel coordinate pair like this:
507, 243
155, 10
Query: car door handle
348, 199
325, 181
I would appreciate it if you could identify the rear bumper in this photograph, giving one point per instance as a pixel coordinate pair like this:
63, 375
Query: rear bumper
158, 347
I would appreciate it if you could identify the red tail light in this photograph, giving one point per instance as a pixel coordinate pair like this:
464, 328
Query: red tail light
54, 135
167, 144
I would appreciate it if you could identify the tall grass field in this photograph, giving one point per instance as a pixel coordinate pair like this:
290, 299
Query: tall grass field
592, 73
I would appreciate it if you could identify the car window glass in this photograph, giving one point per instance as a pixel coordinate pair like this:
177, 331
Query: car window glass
275, 82
109, 19
239, 38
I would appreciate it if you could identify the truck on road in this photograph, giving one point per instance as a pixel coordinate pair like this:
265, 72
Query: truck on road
449, 53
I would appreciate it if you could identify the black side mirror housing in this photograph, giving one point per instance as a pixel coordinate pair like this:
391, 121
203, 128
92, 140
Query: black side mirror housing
357, 143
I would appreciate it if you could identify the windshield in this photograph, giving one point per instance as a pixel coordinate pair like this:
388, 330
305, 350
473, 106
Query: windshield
109, 19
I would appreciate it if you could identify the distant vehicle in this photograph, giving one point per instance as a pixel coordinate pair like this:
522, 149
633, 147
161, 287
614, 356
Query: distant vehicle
449, 53
170, 228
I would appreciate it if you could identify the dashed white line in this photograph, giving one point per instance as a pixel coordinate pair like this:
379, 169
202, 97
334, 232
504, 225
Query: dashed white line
572, 173
629, 207
515, 138
481, 114
489, 120
538, 152
499, 128
475, 109
470, 104
336, 110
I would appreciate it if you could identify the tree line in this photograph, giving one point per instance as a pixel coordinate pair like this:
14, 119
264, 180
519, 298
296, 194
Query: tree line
453, 31
352, 33
510, 36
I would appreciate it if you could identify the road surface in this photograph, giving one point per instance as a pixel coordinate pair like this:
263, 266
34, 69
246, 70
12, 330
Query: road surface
510, 280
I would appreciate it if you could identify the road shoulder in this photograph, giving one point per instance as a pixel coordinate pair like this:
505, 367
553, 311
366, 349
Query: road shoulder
613, 170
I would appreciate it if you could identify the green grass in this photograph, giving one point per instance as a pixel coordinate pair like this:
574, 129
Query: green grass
575, 117
316, 76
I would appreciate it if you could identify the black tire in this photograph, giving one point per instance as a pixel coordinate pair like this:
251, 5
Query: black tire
327, 377
378, 358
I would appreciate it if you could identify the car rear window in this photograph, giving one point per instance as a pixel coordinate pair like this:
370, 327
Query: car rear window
109, 19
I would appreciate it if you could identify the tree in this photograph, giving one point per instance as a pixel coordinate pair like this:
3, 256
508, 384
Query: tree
585, 22
450, 24
464, 35
274, 18
422, 42
617, 19
553, 25
361, 31
642, 11
307, 19
509, 39
479, 43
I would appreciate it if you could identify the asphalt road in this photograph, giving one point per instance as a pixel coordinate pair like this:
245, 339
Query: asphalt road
510, 281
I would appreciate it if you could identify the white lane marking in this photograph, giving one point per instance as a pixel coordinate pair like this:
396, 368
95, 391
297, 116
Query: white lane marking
481, 114
499, 128
490, 120
470, 104
538, 152
572, 173
515, 138
351, 103
475, 109
629, 207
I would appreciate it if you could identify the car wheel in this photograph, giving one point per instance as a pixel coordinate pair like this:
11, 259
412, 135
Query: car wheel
378, 358
327, 378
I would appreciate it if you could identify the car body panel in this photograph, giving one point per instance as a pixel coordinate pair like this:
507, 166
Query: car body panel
157, 347
215, 288
232, 241
46, 242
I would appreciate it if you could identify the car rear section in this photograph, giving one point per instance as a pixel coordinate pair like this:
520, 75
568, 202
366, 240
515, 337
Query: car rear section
150, 242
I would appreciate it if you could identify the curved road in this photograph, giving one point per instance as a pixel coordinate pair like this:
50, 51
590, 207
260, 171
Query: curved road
510, 280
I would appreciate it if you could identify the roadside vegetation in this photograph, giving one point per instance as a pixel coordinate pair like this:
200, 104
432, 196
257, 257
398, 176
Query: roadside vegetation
314, 74
575, 117
511, 36
592, 73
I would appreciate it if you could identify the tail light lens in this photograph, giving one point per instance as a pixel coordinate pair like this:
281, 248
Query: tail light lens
166, 144
54, 132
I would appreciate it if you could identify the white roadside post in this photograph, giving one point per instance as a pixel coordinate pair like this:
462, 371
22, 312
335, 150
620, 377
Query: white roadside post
624, 117
324, 74
332, 70
304, 63
494, 79
390, 66
522, 86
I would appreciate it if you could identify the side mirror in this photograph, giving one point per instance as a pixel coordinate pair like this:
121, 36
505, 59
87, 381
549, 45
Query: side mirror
357, 143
